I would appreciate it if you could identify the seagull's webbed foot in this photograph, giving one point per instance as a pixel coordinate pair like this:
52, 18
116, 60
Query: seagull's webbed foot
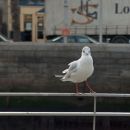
78, 94
91, 91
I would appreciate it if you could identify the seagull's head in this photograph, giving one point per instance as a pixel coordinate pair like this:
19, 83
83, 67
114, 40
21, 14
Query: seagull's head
86, 51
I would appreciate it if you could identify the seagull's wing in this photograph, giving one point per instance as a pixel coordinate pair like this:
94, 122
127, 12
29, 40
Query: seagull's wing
71, 70
72, 67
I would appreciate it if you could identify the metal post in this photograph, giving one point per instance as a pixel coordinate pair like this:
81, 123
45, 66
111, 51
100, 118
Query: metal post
94, 116
100, 22
65, 18
8, 18
44, 18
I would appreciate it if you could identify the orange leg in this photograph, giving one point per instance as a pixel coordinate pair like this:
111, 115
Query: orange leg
90, 89
77, 88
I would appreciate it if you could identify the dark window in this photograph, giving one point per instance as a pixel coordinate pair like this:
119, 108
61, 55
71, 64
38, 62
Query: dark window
31, 2
40, 26
60, 40
71, 39
81, 39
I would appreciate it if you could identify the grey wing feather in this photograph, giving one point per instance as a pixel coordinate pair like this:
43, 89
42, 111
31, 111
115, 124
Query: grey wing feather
72, 69
73, 66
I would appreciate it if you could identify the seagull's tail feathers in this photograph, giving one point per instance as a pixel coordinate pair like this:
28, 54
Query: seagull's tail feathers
62, 78
59, 76
66, 77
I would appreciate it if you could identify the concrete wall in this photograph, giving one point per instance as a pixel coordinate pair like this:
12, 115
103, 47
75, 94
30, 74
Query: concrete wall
31, 67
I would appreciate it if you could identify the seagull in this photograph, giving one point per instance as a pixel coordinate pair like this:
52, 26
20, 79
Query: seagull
79, 70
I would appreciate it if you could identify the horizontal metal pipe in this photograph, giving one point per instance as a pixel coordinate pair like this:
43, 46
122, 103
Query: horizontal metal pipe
63, 94
64, 114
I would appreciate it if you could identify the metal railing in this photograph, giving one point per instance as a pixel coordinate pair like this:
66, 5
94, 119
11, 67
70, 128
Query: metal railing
94, 114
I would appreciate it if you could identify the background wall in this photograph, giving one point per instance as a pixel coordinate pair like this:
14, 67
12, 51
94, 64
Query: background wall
31, 67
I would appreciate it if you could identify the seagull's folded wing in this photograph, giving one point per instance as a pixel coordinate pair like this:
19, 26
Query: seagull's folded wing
73, 66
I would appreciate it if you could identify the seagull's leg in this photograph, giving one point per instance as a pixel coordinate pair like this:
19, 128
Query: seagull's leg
90, 89
77, 88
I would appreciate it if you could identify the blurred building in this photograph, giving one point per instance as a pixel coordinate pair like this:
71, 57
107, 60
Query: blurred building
32, 20
1, 14
7, 18
1, 9
23, 20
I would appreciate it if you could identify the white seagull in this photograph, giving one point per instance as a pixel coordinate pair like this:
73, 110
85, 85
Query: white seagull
79, 70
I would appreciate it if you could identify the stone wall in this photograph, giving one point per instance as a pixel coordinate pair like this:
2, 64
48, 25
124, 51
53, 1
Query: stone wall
31, 67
